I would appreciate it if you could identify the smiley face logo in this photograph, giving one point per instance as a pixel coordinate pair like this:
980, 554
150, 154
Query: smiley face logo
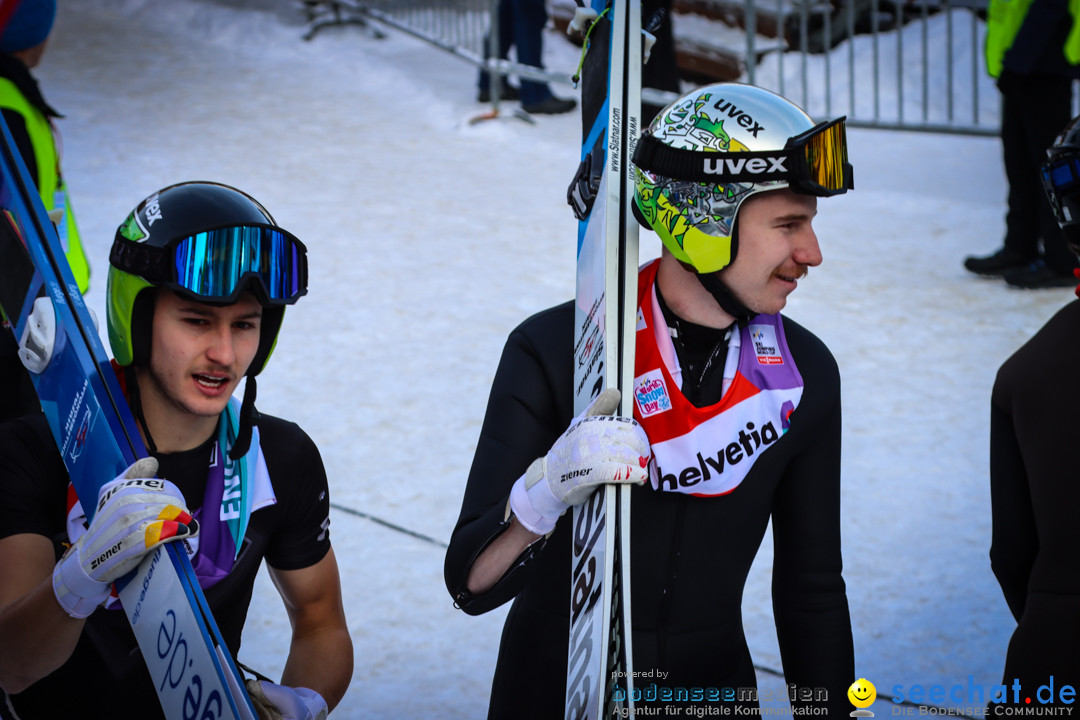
862, 693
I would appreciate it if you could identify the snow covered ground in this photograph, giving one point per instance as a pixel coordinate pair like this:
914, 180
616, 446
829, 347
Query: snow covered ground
431, 238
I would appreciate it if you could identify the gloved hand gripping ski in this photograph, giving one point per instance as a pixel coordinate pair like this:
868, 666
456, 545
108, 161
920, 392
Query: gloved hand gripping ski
280, 702
595, 450
136, 512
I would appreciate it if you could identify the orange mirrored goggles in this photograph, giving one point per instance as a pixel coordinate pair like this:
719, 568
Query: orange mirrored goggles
813, 163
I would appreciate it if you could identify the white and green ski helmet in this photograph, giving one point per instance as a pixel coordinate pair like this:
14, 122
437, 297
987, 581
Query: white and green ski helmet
706, 153
206, 241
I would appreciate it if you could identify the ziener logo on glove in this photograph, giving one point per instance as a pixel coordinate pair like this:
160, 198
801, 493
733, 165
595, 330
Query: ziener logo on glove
148, 483
96, 562
575, 474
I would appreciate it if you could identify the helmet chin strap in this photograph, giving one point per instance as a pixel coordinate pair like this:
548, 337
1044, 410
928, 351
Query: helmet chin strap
131, 381
725, 298
247, 411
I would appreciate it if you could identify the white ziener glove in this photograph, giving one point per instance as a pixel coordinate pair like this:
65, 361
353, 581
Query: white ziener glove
281, 702
136, 512
595, 450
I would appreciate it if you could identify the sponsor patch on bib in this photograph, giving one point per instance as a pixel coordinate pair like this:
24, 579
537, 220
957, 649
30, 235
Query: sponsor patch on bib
650, 393
766, 347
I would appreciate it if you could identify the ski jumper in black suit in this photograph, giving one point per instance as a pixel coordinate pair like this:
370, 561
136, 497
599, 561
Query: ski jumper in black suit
690, 556
106, 676
1035, 491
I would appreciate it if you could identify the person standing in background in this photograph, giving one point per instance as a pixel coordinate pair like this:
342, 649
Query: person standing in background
29, 117
521, 26
24, 30
661, 72
1032, 49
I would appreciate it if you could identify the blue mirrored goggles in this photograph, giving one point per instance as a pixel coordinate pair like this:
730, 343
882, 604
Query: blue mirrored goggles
1061, 179
219, 265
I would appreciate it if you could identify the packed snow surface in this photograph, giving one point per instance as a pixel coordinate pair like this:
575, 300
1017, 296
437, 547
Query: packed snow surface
430, 238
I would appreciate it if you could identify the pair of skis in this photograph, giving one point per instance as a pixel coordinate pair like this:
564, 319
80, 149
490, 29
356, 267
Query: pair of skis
599, 679
192, 669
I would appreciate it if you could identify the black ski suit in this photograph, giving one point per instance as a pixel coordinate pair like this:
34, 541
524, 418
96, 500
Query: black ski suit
106, 677
690, 555
1035, 491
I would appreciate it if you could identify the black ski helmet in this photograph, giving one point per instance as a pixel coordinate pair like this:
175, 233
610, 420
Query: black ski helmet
206, 241
1061, 180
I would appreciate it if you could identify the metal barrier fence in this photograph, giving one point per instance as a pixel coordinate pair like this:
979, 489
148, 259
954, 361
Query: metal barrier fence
925, 71
459, 27
895, 64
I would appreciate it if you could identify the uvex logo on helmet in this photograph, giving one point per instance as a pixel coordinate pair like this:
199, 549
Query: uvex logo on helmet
152, 209
729, 108
737, 166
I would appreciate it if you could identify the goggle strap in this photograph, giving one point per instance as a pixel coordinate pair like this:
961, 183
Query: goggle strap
718, 168
152, 263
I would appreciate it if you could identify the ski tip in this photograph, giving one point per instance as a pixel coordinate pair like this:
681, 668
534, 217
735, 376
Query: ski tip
522, 115
494, 114
489, 115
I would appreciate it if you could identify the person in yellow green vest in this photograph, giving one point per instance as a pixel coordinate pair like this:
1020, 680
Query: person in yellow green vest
1032, 49
24, 29
29, 118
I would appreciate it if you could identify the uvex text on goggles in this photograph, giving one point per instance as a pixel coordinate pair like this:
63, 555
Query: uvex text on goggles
812, 163
218, 265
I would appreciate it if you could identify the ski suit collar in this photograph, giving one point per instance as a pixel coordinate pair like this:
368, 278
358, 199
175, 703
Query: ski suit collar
709, 451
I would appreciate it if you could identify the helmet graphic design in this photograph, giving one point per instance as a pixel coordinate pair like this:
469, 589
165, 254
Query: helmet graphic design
710, 150
205, 241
